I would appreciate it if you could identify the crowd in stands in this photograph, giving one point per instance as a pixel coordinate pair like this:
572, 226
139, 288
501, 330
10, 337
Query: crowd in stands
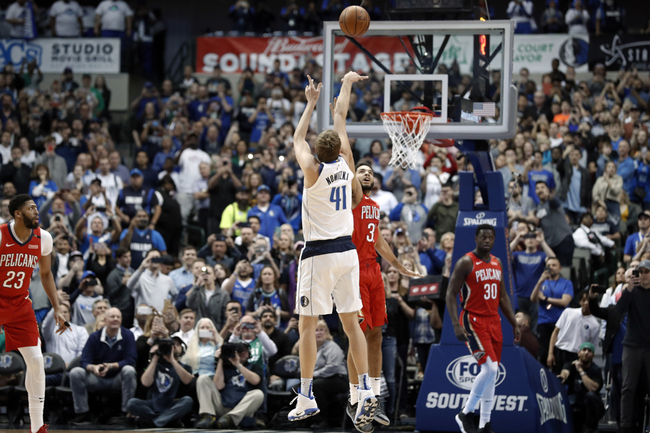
188, 328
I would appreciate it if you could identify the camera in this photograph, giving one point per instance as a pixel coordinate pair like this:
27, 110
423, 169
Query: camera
635, 273
204, 270
101, 209
247, 325
228, 351
165, 346
408, 249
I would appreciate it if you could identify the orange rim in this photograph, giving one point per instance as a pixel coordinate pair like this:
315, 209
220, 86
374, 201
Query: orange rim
408, 118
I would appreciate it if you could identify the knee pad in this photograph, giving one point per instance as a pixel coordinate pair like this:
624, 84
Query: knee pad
38, 368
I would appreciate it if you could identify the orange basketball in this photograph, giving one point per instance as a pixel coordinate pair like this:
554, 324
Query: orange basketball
354, 21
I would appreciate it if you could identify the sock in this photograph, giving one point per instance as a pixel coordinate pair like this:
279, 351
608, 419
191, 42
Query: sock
364, 382
36, 405
375, 385
486, 411
353, 393
306, 386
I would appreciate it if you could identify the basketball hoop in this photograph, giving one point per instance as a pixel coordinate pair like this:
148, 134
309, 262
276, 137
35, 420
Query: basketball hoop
407, 130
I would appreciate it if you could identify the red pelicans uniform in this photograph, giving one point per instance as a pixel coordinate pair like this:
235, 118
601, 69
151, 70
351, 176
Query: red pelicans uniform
371, 283
17, 263
479, 299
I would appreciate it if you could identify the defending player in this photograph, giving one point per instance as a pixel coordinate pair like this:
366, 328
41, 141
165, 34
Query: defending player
478, 276
23, 248
329, 267
369, 242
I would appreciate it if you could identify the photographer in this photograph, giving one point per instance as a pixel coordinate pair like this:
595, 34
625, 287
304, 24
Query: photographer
260, 345
236, 384
208, 300
160, 408
91, 291
150, 286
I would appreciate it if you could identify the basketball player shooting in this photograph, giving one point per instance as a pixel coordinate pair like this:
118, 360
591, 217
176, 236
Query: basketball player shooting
329, 266
369, 242
478, 277
23, 248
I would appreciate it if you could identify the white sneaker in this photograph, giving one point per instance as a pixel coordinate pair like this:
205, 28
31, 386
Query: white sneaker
305, 408
366, 408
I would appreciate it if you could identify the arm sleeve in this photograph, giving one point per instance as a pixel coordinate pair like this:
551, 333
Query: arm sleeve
82, 339
47, 327
568, 288
158, 241
46, 243
130, 352
562, 320
629, 247
87, 352
270, 348
394, 214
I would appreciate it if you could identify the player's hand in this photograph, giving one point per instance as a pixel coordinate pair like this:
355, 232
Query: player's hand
550, 359
411, 274
311, 91
333, 106
460, 332
517, 332
62, 324
353, 77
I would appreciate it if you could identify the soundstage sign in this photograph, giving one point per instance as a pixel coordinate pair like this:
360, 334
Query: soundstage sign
53, 55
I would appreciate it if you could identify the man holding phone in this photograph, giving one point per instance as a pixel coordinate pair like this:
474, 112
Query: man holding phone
91, 291
150, 286
412, 212
261, 346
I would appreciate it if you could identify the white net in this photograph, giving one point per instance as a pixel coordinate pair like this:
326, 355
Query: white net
407, 132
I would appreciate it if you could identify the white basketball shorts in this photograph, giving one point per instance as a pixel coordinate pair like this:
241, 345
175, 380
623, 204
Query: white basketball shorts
328, 272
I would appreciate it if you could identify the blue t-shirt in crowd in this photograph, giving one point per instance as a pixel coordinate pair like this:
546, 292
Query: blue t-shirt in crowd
197, 109
141, 242
241, 292
269, 220
50, 186
535, 176
553, 289
632, 242
261, 122
528, 269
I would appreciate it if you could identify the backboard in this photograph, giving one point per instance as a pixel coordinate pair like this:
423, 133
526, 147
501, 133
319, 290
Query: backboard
409, 64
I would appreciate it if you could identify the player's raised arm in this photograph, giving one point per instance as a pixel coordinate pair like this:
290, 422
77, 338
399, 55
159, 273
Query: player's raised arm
506, 306
461, 270
306, 160
340, 112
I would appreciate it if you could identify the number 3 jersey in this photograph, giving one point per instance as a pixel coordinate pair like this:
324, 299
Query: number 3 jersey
327, 204
366, 227
18, 260
481, 291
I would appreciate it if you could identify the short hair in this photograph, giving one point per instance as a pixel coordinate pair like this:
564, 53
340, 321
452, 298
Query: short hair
553, 258
363, 163
121, 251
186, 311
17, 202
269, 310
328, 145
187, 248
485, 227
153, 249
525, 314
108, 303
234, 301
254, 217
541, 181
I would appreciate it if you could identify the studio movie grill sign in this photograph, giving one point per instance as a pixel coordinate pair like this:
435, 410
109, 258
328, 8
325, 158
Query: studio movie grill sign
479, 219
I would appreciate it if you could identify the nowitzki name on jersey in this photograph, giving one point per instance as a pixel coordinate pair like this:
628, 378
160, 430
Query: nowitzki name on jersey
370, 213
339, 175
20, 260
488, 274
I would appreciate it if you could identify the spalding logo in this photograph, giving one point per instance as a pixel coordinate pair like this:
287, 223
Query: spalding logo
543, 379
462, 372
480, 215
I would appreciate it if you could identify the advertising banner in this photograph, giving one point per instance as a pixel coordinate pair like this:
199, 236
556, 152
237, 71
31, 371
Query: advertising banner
53, 55
527, 394
620, 52
234, 54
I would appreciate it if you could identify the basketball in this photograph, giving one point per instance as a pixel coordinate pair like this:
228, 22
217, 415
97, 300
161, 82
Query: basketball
354, 21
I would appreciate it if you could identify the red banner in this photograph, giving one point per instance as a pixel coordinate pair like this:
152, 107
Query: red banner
234, 54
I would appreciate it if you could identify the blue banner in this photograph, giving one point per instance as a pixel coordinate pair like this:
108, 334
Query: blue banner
30, 21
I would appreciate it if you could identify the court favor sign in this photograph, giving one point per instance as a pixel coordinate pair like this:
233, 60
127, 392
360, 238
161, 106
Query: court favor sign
234, 54
53, 55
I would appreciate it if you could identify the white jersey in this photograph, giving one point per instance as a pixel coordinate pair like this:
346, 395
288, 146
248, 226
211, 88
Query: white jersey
327, 204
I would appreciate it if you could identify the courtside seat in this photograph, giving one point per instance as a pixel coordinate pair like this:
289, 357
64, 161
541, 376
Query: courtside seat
53, 364
12, 376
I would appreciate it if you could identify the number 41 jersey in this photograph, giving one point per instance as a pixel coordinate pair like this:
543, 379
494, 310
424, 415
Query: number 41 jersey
327, 204
480, 293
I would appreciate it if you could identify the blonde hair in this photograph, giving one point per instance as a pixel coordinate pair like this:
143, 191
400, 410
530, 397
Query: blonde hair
149, 323
328, 145
323, 324
193, 353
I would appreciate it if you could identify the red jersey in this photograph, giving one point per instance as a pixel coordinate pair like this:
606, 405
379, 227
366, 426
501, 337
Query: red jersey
366, 228
481, 292
18, 261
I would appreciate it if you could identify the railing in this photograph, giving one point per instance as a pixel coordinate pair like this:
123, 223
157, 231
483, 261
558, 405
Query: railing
175, 69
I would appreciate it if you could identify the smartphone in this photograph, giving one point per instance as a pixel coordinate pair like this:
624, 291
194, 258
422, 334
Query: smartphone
600, 289
205, 333
144, 310
266, 301
408, 249
100, 209
635, 273
157, 260
547, 269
